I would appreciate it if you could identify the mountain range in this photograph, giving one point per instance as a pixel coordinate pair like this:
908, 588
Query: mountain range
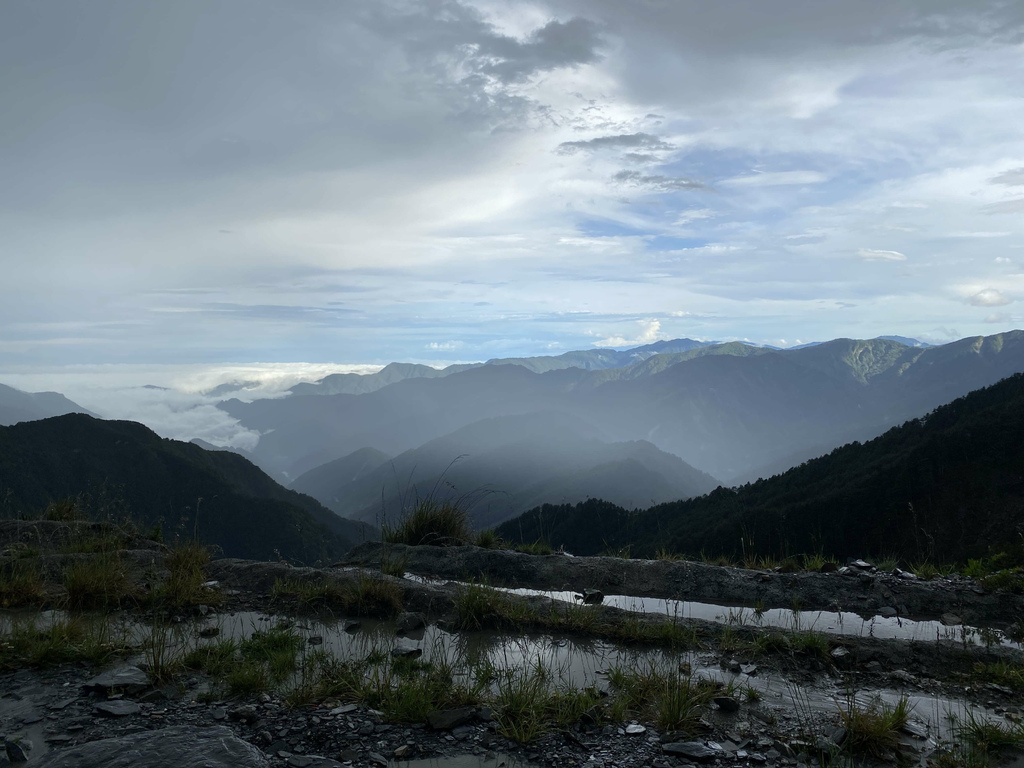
17, 406
121, 470
733, 411
944, 487
501, 467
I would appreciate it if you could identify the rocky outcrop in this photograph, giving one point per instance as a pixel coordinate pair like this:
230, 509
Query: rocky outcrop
173, 747
851, 589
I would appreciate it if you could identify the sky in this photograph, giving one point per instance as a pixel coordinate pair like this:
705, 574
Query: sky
197, 185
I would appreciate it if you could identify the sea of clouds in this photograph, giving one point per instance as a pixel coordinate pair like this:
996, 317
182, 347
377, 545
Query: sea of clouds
176, 401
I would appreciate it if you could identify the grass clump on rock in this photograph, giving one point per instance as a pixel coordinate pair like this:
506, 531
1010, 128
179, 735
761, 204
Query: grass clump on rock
20, 585
99, 581
873, 730
369, 596
185, 584
433, 523
671, 699
35, 643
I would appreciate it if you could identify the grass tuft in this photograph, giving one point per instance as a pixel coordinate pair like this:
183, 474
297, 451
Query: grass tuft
99, 581
433, 523
873, 730
21, 585
368, 596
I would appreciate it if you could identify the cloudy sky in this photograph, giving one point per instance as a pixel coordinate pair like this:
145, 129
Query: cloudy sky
216, 182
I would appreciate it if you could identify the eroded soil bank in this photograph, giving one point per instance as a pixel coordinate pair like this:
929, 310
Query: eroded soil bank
859, 591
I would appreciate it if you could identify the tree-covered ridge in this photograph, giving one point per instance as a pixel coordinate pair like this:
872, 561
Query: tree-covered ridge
122, 469
947, 486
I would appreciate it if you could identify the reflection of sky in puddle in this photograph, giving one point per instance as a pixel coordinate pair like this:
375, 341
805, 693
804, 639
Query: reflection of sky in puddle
568, 661
830, 622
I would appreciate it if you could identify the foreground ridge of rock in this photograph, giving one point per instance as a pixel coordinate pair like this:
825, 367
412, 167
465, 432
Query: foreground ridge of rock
171, 747
860, 591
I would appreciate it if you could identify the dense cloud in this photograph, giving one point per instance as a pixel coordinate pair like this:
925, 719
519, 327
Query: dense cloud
362, 181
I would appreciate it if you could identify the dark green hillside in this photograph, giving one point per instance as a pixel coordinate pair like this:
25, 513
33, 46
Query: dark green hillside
127, 469
947, 486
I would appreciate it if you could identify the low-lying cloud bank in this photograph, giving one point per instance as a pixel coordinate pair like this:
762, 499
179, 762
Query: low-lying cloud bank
176, 401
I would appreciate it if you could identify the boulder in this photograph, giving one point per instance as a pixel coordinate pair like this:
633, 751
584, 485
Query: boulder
165, 748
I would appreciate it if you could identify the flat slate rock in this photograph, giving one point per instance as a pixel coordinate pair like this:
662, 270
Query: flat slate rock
122, 677
173, 747
118, 708
694, 750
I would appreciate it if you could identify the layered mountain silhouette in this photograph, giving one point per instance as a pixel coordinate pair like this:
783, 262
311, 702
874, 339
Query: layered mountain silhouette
731, 410
946, 487
588, 359
500, 467
121, 469
17, 406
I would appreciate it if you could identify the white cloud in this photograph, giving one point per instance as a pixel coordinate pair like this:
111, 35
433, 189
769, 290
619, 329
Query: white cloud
872, 254
777, 179
989, 297
445, 345
1000, 318
650, 331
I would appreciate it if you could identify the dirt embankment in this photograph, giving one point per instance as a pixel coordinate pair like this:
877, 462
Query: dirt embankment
857, 591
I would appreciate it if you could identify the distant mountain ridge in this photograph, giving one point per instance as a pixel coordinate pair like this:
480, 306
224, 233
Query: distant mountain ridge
128, 470
944, 487
725, 409
588, 360
505, 465
17, 406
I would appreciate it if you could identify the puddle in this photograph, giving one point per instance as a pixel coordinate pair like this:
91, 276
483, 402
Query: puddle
843, 623
567, 661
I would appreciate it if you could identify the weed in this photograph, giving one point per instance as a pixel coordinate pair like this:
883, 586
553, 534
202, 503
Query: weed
368, 596
216, 659
99, 581
672, 700
20, 585
813, 644
488, 539
163, 656
887, 563
65, 510
186, 580
523, 702
664, 553
873, 730
538, 547
267, 658
623, 553
73, 640
436, 523
1009, 579
978, 740
392, 566
478, 606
